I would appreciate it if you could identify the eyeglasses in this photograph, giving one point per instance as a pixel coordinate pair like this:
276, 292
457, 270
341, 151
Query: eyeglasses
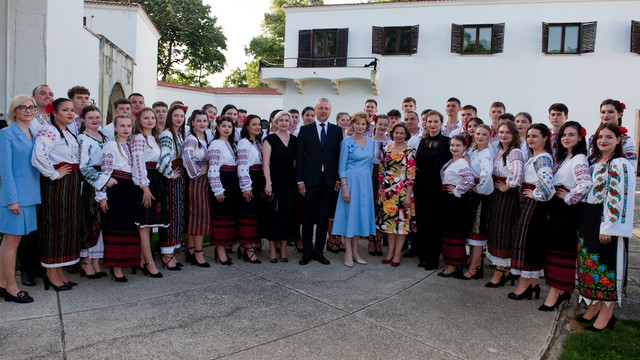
24, 108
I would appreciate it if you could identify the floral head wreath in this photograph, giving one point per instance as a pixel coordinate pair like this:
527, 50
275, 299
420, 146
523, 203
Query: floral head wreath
623, 130
624, 107
583, 132
49, 108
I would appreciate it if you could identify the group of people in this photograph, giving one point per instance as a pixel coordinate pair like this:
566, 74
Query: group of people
535, 198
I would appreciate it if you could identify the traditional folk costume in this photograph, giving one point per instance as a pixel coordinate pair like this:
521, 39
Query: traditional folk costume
481, 164
121, 237
145, 154
527, 259
251, 220
609, 208
223, 179
94, 180
505, 207
628, 148
560, 260
169, 165
397, 172
456, 173
194, 156
61, 232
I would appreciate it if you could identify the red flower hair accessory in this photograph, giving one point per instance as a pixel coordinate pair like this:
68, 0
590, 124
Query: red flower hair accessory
186, 108
49, 108
244, 120
217, 118
466, 141
583, 132
135, 113
624, 107
373, 118
550, 134
623, 130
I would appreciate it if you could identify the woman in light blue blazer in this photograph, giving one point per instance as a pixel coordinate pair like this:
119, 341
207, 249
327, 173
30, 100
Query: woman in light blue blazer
19, 192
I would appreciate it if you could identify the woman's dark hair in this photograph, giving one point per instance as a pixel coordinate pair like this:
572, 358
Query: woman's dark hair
515, 139
507, 116
595, 151
402, 125
191, 127
208, 106
169, 125
307, 108
581, 146
227, 107
380, 117
87, 109
222, 119
460, 138
544, 130
476, 120
56, 105
616, 104
244, 133
526, 115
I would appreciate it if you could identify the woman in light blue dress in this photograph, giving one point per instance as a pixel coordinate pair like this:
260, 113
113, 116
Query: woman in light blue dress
354, 216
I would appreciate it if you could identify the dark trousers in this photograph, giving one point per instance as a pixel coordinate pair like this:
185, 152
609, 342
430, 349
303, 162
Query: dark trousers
29, 254
317, 208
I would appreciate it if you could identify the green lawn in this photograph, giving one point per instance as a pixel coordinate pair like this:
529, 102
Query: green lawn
623, 342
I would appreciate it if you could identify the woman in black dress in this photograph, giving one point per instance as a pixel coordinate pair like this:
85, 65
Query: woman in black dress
279, 153
432, 154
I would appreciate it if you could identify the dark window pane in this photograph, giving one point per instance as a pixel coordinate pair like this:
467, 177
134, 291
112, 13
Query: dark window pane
469, 42
554, 46
318, 44
405, 41
571, 39
484, 40
390, 41
331, 43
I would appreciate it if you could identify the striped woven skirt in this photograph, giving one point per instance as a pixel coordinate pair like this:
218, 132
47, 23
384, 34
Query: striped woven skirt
199, 213
478, 219
251, 225
504, 212
61, 232
562, 245
532, 229
155, 215
224, 214
120, 233
453, 230
91, 217
174, 234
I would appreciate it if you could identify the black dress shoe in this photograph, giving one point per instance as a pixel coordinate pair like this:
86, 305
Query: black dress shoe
22, 297
2, 292
27, 279
305, 260
323, 260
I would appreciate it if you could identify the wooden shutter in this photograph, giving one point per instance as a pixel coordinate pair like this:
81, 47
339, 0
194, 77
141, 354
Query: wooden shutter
304, 48
635, 37
414, 39
377, 40
341, 47
497, 38
587, 37
545, 38
457, 36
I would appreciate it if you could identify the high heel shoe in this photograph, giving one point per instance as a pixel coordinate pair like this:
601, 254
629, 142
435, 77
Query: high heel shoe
118, 279
561, 298
156, 275
83, 273
503, 279
385, 261
584, 320
457, 269
476, 275
528, 293
247, 254
195, 260
610, 324
47, 283
372, 252
216, 258
170, 268
190, 257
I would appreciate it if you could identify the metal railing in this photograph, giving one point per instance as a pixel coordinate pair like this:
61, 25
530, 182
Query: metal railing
368, 61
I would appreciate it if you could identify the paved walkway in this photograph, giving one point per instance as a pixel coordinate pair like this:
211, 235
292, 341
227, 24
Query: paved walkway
271, 311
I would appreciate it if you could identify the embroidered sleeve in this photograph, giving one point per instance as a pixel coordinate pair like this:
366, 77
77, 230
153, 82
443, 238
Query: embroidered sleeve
214, 170
166, 154
243, 165
138, 166
629, 150
618, 205
45, 141
107, 169
582, 176
485, 182
188, 157
411, 167
467, 181
515, 164
544, 186
88, 150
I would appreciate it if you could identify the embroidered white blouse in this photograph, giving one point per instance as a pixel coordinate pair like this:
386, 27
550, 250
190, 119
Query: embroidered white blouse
194, 155
538, 171
457, 173
90, 156
220, 153
481, 164
169, 152
249, 154
50, 149
142, 151
512, 170
114, 157
38, 122
573, 174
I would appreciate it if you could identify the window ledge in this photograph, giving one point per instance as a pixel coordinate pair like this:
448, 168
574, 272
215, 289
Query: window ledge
278, 77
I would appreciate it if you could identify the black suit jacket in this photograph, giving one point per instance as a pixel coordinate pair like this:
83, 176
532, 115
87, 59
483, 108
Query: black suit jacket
312, 157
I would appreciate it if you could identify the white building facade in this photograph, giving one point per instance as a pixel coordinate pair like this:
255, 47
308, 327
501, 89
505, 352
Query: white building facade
527, 54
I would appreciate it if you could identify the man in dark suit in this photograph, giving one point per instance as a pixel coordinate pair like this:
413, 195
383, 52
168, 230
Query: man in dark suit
317, 176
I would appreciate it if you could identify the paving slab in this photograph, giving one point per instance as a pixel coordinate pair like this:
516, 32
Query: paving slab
33, 338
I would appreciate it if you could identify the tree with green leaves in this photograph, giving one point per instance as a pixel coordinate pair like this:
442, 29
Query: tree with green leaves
191, 45
269, 46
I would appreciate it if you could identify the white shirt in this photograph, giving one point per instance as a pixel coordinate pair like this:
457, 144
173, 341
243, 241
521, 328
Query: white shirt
538, 171
457, 173
573, 173
194, 155
481, 163
90, 157
50, 149
249, 154
512, 170
414, 141
38, 122
220, 153
114, 157
109, 132
168, 152
142, 152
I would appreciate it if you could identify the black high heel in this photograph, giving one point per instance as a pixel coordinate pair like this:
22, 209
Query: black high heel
195, 261
245, 254
147, 272
47, 283
118, 279
170, 268
561, 298
610, 324
190, 257
503, 279
528, 293
216, 258
479, 274
84, 273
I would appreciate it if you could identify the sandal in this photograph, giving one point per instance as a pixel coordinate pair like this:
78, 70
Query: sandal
333, 245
